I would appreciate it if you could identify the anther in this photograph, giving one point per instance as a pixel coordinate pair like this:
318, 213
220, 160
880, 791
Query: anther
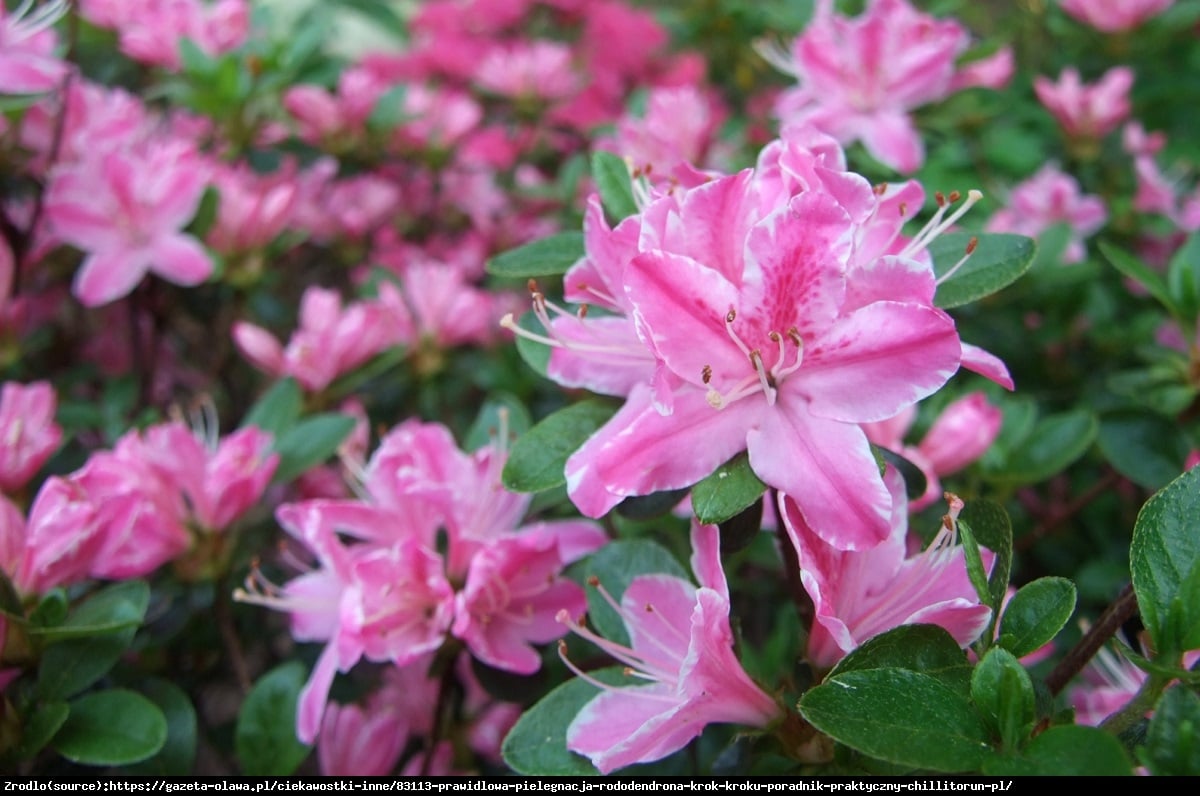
940, 198
582, 312
706, 374
955, 196
731, 316
532, 286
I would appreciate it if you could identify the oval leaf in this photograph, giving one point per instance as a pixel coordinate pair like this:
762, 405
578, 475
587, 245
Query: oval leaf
1173, 739
278, 409
309, 443
265, 737
899, 716
537, 743
1035, 614
614, 566
612, 179
68, 667
1003, 692
1145, 447
1054, 443
728, 491
178, 753
111, 728
110, 609
1165, 551
998, 260
928, 649
538, 460
1070, 750
550, 256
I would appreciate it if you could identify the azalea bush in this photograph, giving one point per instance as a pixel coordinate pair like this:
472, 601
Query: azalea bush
591, 386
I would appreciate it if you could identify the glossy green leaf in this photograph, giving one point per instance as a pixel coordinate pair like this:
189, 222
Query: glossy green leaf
178, 754
1141, 273
999, 260
1055, 442
52, 610
488, 422
1183, 277
1065, 751
310, 442
41, 725
1145, 447
278, 409
729, 490
1035, 614
538, 459
1165, 551
915, 482
265, 736
116, 607
993, 529
1003, 692
535, 354
111, 728
927, 649
537, 743
1173, 739
614, 566
68, 667
551, 256
976, 571
899, 716
615, 185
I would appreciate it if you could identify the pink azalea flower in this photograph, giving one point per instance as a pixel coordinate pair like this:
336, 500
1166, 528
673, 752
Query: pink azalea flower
769, 338
1052, 197
127, 209
27, 430
62, 537
680, 657
1110, 682
383, 598
961, 434
251, 210
861, 593
1112, 16
331, 339
679, 128
1087, 110
27, 63
528, 70
860, 77
515, 589
220, 479
150, 30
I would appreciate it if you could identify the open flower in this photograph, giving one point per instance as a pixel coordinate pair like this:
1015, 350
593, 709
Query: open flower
860, 594
1112, 16
680, 657
27, 65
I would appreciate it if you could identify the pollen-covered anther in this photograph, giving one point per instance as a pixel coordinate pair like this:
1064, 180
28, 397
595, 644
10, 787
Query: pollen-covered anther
706, 374
880, 189
972, 244
582, 312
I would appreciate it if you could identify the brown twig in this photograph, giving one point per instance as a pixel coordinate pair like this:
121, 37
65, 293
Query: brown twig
229, 637
1116, 614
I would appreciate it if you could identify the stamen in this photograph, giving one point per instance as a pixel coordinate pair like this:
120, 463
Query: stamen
776, 54
763, 380
730, 317
939, 223
706, 374
971, 246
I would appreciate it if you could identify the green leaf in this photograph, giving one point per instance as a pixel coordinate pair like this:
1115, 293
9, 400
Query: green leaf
612, 179
728, 491
40, 726
535, 354
992, 528
111, 728
614, 566
1145, 447
550, 256
488, 422
1035, 614
265, 736
68, 667
1051, 447
538, 459
116, 607
205, 214
1003, 692
1070, 750
1165, 551
1139, 272
178, 753
309, 443
1173, 739
1183, 278
899, 716
928, 649
10, 601
278, 409
998, 260
646, 507
537, 743
51, 610
976, 572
